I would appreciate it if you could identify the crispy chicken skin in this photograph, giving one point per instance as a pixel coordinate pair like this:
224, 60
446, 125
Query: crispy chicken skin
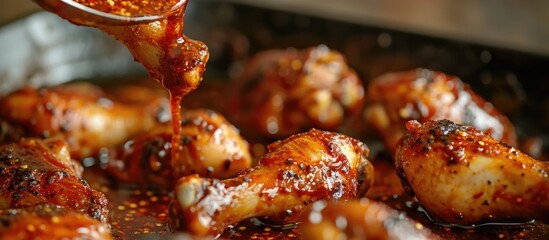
210, 147
50, 222
79, 113
463, 176
284, 92
359, 219
425, 95
294, 173
34, 171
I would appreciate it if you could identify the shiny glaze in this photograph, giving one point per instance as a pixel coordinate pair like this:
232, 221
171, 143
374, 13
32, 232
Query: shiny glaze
79, 113
31, 174
50, 222
359, 219
425, 95
294, 173
212, 144
463, 176
290, 91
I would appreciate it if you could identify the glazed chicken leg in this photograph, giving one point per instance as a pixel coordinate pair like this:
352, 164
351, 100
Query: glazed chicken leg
50, 222
425, 95
34, 172
461, 175
296, 172
359, 219
210, 145
79, 113
284, 92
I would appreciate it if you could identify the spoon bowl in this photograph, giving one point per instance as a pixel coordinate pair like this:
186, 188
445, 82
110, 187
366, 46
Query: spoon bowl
81, 14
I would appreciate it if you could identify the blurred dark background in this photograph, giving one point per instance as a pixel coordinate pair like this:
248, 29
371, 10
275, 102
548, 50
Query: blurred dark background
498, 47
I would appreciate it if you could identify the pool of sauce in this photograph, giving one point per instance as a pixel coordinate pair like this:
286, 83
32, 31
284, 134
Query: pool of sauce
137, 214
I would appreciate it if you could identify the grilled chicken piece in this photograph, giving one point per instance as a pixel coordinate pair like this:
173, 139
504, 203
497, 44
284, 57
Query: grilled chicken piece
424, 95
461, 175
296, 172
80, 113
209, 144
50, 222
359, 219
34, 172
284, 92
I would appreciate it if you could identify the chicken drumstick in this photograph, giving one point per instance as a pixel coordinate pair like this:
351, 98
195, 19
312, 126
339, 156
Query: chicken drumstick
210, 145
296, 172
34, 172
463, 176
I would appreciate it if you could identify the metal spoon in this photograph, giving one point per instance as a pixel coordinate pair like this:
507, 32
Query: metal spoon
84, 15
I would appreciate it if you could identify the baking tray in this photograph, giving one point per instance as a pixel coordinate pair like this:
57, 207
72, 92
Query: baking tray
51, 51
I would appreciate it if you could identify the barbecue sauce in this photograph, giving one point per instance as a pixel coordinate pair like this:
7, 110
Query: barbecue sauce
171, 58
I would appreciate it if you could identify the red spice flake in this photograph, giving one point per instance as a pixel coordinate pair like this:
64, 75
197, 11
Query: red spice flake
478, 195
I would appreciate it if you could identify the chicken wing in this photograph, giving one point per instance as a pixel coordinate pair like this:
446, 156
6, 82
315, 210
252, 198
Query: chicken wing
296, 172
463, 176
34, 172
426, 95
210, 145
50, 222
284, 92
359, 219
81, 114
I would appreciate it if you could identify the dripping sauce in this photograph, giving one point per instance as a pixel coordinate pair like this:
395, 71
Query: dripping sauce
171, 58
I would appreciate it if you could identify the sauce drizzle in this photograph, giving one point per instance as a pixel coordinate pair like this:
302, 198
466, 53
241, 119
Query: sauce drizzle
171, 58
